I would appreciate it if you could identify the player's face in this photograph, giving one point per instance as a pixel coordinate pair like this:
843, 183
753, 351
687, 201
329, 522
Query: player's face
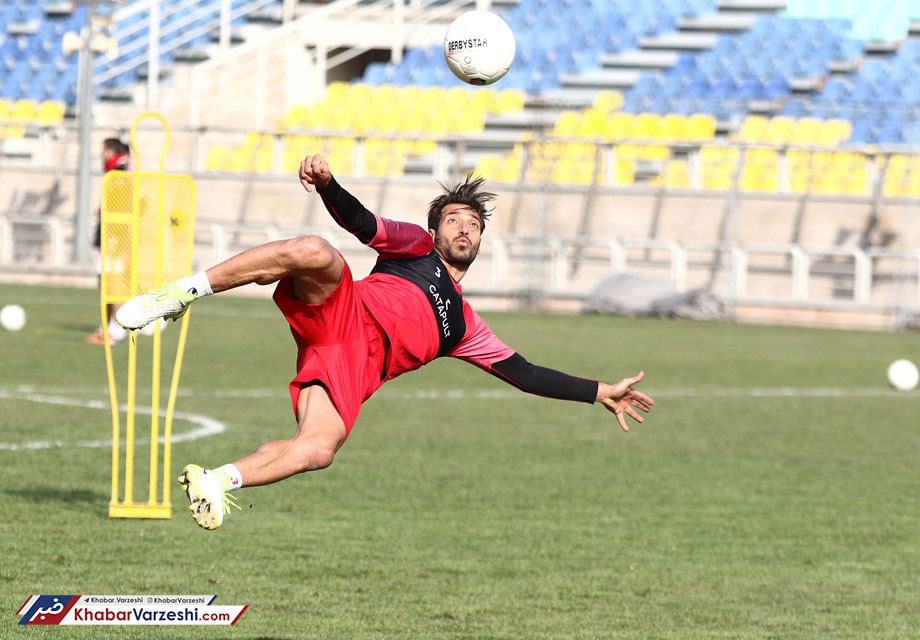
458, 234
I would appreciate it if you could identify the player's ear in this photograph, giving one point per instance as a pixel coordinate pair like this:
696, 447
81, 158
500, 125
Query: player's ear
433, 233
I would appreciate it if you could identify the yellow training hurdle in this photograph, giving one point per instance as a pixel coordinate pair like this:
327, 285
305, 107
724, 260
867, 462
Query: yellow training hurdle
147, 234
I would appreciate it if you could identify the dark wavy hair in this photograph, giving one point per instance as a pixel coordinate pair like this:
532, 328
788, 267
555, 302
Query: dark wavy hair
468, 193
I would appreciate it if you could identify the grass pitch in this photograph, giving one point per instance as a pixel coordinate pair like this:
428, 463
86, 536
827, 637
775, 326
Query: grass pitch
772, 492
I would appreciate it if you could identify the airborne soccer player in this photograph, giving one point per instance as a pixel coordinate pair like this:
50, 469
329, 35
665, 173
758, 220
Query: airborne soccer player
352, 336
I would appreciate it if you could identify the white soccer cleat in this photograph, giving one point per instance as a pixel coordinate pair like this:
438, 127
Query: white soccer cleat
170, 302
208, 500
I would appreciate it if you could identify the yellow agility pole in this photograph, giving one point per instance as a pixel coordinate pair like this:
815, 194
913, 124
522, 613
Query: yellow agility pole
147, 236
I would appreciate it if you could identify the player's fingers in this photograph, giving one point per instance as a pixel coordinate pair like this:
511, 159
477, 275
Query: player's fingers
641, 405
317, 164
641, 397
635, 379
622, 421
635, 416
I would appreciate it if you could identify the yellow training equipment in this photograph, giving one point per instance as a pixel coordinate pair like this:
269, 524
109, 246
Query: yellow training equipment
147, 233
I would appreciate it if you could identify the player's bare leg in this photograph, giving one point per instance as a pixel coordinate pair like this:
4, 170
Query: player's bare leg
320, 433
313, 263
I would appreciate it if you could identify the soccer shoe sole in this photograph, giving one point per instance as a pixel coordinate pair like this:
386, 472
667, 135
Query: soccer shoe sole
207, 510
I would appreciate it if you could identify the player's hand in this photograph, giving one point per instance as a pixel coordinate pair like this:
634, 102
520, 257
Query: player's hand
314, 170
622, 400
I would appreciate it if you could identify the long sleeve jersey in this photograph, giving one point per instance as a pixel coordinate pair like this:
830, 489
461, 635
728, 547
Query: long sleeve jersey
421, 307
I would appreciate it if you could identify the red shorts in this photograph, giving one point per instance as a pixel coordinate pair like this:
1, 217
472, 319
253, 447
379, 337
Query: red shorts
339, 345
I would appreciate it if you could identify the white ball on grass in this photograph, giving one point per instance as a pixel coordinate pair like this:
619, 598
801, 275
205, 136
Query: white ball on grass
903, 375
12, 317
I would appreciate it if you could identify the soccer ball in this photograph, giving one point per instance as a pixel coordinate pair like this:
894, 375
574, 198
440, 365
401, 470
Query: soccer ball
479, 47
903, 375
12, 317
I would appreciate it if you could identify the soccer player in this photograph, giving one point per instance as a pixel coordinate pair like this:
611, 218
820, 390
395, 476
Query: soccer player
352, 336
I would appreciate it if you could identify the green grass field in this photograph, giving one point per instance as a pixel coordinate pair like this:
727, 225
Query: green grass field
772, 492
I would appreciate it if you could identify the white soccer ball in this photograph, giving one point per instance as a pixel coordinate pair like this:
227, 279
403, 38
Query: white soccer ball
479, 47
12, 317
903, 375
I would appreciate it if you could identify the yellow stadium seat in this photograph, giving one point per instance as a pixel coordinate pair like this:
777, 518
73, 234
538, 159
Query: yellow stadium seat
646, 126
13, 131
579, 151
619, 126
853, 172
835, 131
718, 166
676, 175
643, 152
468, 121
341, 161
760, 171
433, 98
245, 159
423, 147
386, 94
24, 111
297, 117
569, 170
489, 167
700, 127
753, 129
567, 124
509, 101
257, 140
629, 152
358, 93
218, 159
779, 130
798, 166
673, 127
593, 123
483, 99
336, 91
806, 131
624, 173
607, 100
51, 112
383, 158
5, 108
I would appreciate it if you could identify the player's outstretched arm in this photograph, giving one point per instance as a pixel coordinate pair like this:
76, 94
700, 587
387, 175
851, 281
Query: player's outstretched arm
345, 209
622, 400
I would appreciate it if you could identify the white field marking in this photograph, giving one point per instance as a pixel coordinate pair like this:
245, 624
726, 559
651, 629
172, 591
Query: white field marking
206, 426
504, 394
510, 393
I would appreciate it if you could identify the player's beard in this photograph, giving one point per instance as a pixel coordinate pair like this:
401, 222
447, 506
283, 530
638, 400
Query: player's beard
457, 255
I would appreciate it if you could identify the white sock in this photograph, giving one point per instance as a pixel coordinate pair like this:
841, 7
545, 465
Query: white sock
197, 285
236, 480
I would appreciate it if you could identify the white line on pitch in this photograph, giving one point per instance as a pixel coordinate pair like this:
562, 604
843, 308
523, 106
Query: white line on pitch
434, 394
206, 426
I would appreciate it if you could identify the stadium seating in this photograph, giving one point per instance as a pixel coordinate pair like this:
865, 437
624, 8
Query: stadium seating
34, 65
741, 86
407, 117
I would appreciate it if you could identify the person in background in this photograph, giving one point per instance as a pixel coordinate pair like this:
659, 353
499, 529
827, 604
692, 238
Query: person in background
115, 155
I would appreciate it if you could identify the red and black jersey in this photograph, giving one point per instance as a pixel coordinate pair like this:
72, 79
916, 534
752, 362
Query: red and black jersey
421, 308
